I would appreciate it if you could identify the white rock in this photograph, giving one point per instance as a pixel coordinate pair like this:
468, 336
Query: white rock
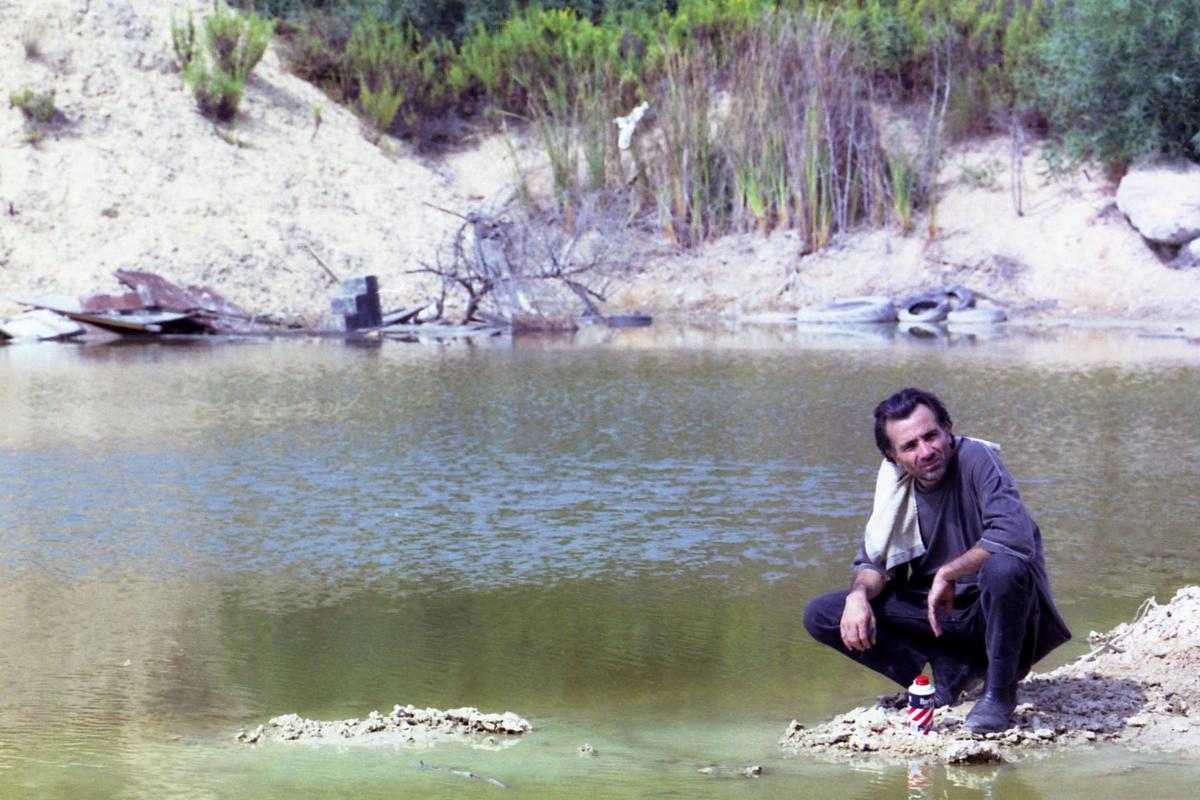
1189, 255
874, 719
1162, 201
968, 751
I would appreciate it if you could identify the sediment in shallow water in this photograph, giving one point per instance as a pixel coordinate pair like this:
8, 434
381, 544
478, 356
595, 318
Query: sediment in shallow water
404, 725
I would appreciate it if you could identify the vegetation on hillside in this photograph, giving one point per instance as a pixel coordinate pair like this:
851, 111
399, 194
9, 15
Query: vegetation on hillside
217, 57
762, 113
39, 110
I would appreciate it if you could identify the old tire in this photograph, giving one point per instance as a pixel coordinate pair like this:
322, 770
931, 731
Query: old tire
976, 316
636, 320
960, 293
849, 310
924, 308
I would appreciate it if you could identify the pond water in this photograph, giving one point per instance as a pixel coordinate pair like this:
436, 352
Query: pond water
613, 535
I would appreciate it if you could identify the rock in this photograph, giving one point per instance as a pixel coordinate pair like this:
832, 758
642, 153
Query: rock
864, 743
833, 737
587, 751
1044, 733
250, 738
874, 719
969, 751
1162, 201
753, 771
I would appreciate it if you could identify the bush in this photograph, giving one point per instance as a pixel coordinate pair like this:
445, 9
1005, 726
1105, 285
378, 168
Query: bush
38, 107
396, 78
987, 41
217, 62
316, 50
39, 110
1120, 80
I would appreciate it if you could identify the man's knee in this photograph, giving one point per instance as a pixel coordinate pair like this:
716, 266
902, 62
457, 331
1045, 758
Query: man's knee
823, 617
1005, 573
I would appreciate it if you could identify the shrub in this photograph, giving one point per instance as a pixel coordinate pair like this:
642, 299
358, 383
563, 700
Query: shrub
216, 63
316, 50
38, 107
988, 43
1120, 80
39, 110
397, 78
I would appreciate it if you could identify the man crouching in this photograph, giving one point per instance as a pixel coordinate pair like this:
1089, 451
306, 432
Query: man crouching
950, 572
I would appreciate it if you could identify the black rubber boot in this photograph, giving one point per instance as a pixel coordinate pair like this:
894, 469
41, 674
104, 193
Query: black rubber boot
951, 679
994, 710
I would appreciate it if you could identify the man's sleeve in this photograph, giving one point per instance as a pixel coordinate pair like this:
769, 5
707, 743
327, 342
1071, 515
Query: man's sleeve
1007, 526
861, 561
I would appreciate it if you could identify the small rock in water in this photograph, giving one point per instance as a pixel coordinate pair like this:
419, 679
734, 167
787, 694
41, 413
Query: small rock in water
586, 750
970, 751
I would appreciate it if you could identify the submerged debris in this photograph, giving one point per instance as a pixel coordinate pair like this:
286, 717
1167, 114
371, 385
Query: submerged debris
405, 725
1139, 687
463, 773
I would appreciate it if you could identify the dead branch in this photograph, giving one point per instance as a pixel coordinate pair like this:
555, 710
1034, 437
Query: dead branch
528, 262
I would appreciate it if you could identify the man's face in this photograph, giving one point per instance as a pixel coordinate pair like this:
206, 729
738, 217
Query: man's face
920, 446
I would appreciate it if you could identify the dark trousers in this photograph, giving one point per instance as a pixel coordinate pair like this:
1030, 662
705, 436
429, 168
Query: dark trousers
987, 629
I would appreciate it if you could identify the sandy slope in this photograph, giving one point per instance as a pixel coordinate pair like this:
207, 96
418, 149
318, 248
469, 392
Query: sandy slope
134, 177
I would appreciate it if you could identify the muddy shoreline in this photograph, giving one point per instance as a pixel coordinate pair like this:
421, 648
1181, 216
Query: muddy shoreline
1138, 688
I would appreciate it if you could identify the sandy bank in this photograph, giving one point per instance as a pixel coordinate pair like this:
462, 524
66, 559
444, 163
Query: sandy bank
132, 177
1139, 688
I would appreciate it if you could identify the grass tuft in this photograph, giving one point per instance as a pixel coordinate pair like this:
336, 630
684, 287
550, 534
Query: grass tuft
217, 60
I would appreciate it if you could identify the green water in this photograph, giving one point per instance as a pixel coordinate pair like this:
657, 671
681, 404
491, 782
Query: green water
613, 536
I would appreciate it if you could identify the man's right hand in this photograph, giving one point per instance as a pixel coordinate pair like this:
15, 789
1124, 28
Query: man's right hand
858, 622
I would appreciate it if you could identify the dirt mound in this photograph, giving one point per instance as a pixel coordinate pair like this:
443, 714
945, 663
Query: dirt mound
1139, 687
405, 725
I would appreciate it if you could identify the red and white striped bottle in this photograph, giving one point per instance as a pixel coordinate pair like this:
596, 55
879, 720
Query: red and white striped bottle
920, 705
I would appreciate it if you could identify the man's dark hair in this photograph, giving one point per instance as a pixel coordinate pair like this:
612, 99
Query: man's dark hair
900, 406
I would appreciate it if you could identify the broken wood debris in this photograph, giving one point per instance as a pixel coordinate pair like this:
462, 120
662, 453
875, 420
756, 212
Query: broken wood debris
154, 305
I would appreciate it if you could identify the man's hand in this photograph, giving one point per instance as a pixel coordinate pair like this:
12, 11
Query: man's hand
941, 595
941, 591
858, 622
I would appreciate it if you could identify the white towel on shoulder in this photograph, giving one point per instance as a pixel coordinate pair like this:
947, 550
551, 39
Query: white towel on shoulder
893, 533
